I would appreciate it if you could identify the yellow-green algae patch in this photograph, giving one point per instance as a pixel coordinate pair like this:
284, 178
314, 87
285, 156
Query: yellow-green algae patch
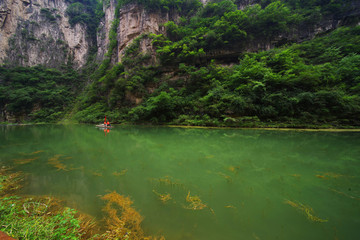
123, 221
307, 210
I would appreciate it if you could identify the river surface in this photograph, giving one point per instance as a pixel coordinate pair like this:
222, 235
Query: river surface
220, 183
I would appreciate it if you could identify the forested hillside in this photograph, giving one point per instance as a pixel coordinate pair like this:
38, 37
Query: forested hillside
266, 63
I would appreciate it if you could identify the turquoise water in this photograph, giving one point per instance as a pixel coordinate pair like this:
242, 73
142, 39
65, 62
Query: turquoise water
255, 183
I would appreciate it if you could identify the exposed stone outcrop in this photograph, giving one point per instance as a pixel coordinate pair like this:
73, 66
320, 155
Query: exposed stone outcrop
134, 21
104, 29
38, 32
242, 4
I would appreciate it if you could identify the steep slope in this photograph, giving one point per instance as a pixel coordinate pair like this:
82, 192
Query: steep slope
187, 82
38, 32
165, 61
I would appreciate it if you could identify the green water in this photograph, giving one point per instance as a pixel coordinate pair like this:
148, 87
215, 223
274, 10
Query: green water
244, 177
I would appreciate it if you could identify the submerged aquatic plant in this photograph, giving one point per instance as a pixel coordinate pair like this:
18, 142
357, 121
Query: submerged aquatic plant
25, 161
121, 173
308, 211
37, 217
234, 169
123, 220
33, 153
227, 177
97, 174
167, 181
328, 175
344, 194
54, 161
196, 203
9, 182
230, 206
164, 198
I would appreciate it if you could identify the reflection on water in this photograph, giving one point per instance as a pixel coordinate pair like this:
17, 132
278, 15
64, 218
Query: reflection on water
199, 183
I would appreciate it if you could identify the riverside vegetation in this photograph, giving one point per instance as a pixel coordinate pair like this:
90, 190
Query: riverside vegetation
45, 217
315, 83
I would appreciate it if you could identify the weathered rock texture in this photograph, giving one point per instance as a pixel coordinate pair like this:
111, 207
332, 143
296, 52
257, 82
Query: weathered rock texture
104, 29
135, 21
38, 32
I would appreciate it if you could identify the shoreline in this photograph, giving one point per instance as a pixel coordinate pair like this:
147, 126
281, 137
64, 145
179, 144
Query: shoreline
272, 128
313, 128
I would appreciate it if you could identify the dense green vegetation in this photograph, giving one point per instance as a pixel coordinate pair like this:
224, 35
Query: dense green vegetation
88, 12
190, 80
20, 223
37, 93
33, 218
185, 7
309, 84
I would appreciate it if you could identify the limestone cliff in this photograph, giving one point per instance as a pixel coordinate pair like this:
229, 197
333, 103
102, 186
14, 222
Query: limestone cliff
38, 32
104, 29
134, 21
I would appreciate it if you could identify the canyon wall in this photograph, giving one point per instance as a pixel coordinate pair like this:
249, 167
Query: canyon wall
38, 32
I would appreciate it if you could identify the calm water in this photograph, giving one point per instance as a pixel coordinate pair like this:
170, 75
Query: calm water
257, 184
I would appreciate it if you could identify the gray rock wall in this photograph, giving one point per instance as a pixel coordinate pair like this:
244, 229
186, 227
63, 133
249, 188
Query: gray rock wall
38, 32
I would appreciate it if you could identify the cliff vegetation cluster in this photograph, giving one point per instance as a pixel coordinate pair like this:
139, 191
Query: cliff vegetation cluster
287, 63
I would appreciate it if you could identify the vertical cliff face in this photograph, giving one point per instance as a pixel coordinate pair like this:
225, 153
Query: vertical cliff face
104, 29
135, 21
38, 32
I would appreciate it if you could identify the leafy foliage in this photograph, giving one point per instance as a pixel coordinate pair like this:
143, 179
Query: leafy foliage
41, 94
284, 85
22, 224
186, 7
313, 83
88, 12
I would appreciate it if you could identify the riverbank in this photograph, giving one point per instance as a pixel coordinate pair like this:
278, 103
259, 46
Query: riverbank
46, 217
261, 126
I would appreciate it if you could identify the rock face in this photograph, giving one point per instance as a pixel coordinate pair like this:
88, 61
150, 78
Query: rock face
134, 21
38, 32
104, 29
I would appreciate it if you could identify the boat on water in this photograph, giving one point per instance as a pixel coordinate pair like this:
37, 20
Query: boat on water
103, 126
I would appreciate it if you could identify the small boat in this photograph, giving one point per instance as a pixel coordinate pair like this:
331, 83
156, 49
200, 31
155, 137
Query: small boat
103, 126
107, 126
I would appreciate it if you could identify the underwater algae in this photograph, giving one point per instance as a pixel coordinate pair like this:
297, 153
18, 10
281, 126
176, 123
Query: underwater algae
167, 181
32, 153
9, 182
22, 161
97, 174
234, 169
307, 210
227, 177
123, 221
164, 198
195, 203
328, 175
38, 210
344, 194
55, 162
121, 173
25, 161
